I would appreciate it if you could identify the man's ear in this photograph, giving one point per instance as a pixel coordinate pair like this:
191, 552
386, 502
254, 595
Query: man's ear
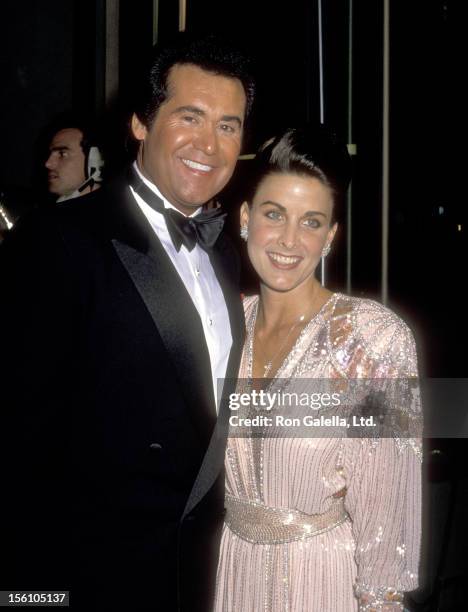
244, 214
139, 131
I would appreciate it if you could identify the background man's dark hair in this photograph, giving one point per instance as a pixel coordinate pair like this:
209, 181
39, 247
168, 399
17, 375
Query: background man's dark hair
208, 53
72, 120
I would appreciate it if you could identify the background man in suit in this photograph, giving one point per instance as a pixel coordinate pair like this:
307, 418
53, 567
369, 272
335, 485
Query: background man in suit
123, 310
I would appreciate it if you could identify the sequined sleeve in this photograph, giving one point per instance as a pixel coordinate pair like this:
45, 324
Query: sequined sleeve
384, 490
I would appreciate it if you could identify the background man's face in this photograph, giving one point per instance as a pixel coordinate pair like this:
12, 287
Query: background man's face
66, 161
191, 149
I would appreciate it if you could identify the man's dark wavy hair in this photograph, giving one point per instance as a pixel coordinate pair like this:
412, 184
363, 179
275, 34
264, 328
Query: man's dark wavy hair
312, 151
208, 53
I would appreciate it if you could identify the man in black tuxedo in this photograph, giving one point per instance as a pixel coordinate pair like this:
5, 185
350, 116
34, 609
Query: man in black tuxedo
120, 312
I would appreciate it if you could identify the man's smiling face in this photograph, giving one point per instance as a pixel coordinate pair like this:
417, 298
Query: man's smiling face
190, 150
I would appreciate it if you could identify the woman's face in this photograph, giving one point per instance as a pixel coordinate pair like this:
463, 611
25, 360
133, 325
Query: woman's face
289, 223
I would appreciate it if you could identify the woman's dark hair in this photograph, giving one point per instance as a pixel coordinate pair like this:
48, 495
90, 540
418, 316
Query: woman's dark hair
311, 151
208, 53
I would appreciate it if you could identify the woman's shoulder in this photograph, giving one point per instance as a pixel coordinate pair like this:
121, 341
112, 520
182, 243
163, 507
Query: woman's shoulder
372, 328
365, 311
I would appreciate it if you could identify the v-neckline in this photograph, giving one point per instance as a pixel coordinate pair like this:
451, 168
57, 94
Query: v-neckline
251, 334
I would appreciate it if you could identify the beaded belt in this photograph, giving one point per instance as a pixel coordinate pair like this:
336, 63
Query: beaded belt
260, 524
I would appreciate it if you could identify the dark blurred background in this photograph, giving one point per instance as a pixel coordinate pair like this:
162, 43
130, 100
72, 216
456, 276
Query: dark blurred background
78, 54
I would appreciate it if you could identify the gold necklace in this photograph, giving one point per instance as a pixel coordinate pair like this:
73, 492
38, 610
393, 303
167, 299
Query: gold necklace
269, 364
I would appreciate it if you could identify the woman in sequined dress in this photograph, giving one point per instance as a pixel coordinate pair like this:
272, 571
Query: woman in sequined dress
315, 524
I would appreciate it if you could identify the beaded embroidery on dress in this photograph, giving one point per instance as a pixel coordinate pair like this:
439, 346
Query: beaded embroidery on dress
367, 558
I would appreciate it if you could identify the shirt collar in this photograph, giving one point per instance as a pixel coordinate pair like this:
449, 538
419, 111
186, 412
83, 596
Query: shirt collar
153, 188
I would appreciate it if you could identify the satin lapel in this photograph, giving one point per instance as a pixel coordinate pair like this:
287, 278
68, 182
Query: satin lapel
179, 325
174, 315
221, 260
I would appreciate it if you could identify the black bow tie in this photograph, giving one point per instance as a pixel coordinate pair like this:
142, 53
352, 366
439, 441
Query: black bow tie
204, 228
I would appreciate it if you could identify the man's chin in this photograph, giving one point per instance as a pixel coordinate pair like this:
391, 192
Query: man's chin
53, 188
189, 205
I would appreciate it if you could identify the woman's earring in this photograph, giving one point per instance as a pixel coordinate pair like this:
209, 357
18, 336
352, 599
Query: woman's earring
325, 252
244, 233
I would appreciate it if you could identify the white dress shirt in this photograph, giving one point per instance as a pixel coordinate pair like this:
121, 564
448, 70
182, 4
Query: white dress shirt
197, 274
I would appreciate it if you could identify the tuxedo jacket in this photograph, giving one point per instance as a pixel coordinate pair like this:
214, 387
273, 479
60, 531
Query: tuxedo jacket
113, 452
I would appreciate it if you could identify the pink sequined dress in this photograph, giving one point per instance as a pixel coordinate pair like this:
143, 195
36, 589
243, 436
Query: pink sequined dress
365, 561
